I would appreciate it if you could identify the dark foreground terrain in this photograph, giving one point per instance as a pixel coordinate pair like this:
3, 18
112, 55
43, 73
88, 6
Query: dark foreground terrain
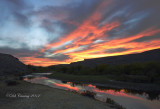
25, 95
11, 65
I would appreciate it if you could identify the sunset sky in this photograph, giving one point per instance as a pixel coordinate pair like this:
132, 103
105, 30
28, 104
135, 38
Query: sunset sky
49, 32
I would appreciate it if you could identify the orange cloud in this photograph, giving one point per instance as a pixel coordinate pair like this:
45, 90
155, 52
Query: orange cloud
98, 50
121, 42
88, 26
40, 61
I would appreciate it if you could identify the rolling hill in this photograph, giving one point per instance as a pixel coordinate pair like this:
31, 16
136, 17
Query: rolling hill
152, 55
11, 65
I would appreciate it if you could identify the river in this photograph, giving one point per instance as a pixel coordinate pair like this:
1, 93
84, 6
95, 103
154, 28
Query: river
127, 98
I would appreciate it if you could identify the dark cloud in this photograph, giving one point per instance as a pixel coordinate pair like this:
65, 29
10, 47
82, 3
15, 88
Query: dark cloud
149, 38
68, 17
135, 16
116, 50
51, 13
18, 52
16, 4
60, 57
21, 19
48, 25
14, 10
31, 53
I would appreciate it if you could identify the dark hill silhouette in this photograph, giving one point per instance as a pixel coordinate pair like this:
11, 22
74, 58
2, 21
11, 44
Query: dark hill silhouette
11, 65
152, 55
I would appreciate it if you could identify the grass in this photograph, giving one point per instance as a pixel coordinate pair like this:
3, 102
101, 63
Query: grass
100, 78
113, 103
81, 78
90, 78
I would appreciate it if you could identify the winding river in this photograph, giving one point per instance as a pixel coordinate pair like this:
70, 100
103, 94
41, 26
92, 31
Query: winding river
127, 98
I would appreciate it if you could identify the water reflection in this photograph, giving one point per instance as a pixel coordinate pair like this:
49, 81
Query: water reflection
121, 93
127, 98
149, 95
67, 86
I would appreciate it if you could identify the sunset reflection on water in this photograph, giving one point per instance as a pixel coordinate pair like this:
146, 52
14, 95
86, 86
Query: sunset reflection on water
67, 86
85, 87
124, 97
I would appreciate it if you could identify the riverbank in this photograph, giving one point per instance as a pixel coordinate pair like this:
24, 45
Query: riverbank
105, 81
23, 95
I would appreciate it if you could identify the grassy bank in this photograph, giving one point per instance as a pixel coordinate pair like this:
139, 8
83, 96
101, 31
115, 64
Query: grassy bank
81, 78
148, 72
106, 81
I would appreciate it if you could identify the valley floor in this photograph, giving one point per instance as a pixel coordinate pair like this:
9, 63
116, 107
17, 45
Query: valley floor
44, 97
